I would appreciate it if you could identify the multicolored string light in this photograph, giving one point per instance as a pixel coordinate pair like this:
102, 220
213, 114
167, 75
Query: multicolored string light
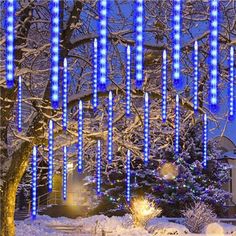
213, 54
55, 33
34, 184
64, 183
80, 137
177, 125
195, 81
164, 87
64, 95
146, 128
205, 140
95, 73
176, 41
98, 168
231, 84
128, 81
139, 43
110, 127
103, 44
10, 36
128, 176
50, 156
19, 104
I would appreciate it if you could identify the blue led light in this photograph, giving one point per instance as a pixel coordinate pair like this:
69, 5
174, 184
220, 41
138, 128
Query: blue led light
64, 95
128, 177
146, 128
103, 44
64, 183
50, 156
231, 84
95, 73
128, 82
110, 128
80, 137
55, 44
213, 54
195, 83
139, 43
205, 140
10, 37
19, 105
164, 87
177, 124
98, 168
176, 41
34, 184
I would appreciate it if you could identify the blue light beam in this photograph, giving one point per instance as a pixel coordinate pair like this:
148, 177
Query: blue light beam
177, 125
34, 184
50, 156
128, 81
64, 187
146, 128
64, 95
128, 177
195, 80
205, 137
80, 137
19, 118
164, 87
231, 85
95, 74
110, 127
98, 168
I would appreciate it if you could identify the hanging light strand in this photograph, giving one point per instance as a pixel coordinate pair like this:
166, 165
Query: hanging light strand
98, 168
139, 43
231, 84
95, 74
164, 87
80, 137
64, 95
146, 128
19, 121
50, 156
64, 187
55, 32
110, 127
177, 125
10, 37
128, 81
195, 83
205, 140
34, 184
128, 177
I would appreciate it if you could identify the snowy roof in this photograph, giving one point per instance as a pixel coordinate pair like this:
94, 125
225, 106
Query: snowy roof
230, 155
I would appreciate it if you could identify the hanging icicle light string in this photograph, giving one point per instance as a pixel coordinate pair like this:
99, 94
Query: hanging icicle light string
177, 123
19, 104
146, 128
50, 156
205, 137
95, 74
128, 176
98, 168
80, 137
64, 95
195, 80
110, 127
128, 81
231, 84
164, 86
64, 177
34, 184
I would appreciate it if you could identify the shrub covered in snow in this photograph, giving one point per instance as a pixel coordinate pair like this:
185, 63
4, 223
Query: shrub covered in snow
198, 216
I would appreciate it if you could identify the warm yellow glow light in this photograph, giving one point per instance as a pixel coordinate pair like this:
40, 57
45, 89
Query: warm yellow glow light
214, 229
169, 171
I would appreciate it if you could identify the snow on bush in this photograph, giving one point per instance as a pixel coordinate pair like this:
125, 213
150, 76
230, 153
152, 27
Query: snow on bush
198, 216
219, 229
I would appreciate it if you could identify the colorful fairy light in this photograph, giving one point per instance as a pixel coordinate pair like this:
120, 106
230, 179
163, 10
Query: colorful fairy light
98, 168
64, 187
55, 33
10, 36
205, 140
80, 137
231, 84
128, 177
128, 82
110, 128
50, 156
103, 44
213, 53
34, 184
64, 95
139, 43
19, 121
164, 86
146, 128
195, 83
95, 73
177, 125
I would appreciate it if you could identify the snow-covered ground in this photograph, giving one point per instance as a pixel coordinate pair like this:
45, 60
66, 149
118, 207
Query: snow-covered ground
101, 225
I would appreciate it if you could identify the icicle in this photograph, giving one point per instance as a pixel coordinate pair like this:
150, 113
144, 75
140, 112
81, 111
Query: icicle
177, 125
128, 177
146, 128
34, 184
164, 86
205, 140
139, 43
195, 85
231, 84
10, 37
176, 41
64, 172
64, 96
55, 33
213, 54
98, 168
50, 156
110, 120
103, 44
19, 104
95, 74
80, 137
128, 81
